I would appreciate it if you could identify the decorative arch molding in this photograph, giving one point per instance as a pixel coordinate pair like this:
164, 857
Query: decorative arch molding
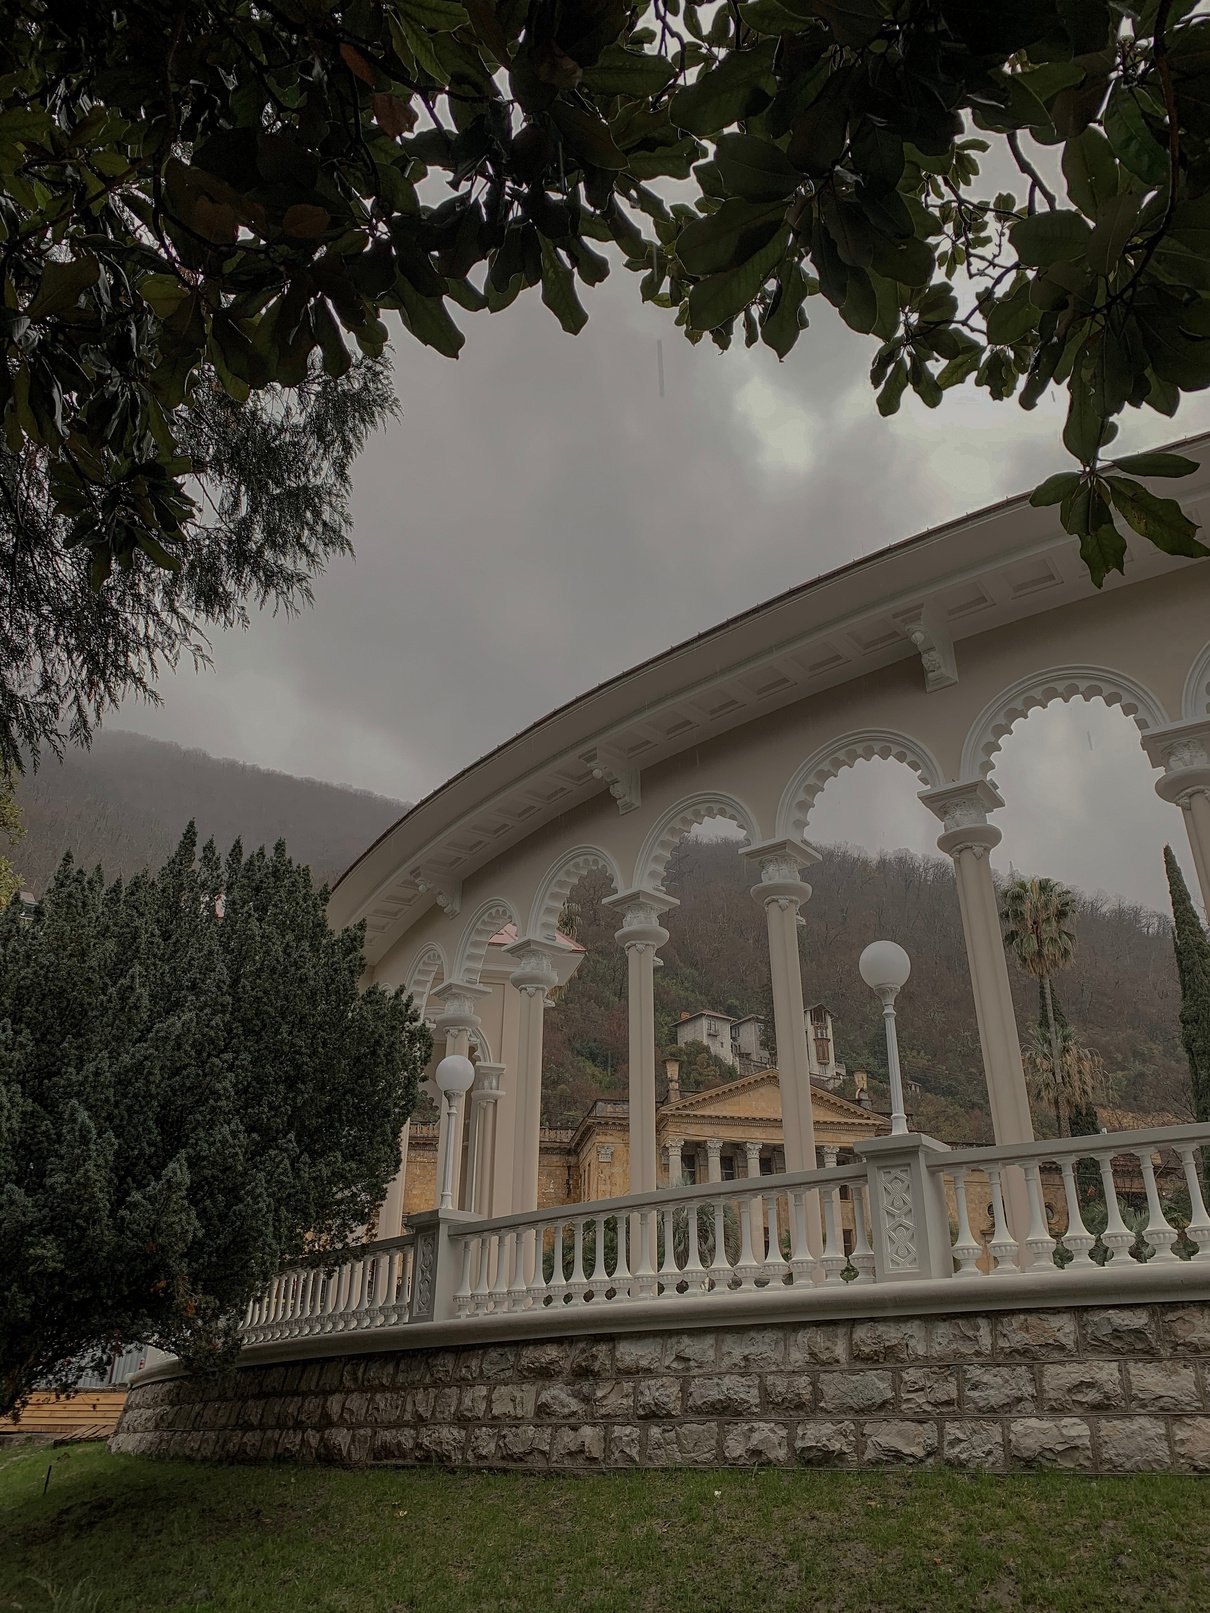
866, 744
487, 920
423, 974
560, 880
1196, 700
677, 821
481, 1047
1000, 715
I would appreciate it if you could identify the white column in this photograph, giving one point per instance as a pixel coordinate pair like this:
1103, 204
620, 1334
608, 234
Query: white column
753, 1152
533, 979
673, 1150
831, 1155
714, 1159
485, 1097
1183, 751
456, 1021
390, 1216
782, 892
969, 839
642, 935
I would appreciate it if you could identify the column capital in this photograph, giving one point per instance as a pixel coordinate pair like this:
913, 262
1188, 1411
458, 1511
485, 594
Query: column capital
459, 1000
1183, 751
536, 970
640, 909
489, 1080
781, 863
963, 810
714, 1147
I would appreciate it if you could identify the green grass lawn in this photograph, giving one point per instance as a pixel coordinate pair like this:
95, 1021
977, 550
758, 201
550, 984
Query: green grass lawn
117, 1533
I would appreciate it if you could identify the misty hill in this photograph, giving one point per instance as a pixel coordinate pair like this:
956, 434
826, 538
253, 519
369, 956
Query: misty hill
1121, 995
125, 803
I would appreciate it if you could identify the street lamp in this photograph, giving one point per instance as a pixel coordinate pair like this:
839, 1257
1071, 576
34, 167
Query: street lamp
885, 967
455, 1075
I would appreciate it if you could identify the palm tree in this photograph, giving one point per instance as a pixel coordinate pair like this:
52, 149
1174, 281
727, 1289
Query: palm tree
1039, 917
1081, 1072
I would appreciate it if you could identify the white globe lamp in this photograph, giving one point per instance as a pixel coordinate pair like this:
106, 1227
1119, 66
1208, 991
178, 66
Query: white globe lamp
885, 967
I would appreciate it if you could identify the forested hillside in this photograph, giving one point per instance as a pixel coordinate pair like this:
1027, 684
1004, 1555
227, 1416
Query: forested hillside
125, 802
1121, 995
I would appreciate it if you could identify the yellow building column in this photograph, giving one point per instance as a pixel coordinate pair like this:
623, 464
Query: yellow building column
642, 936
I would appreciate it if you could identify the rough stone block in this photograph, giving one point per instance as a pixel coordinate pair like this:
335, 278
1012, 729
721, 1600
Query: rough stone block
822, 1344
895, 1440
335, 1445
379, 1372
638, 1352
999, 1389
928, 1389
498, 1362
525, 1443
625, 1445
386, 1407
1118, 1330
690, 1352
1035, 1335
1163, 1386
887, 1341
513, 1400
440, 1366
578, 1447
545, 1360
1187, 1329
855, 1391
331, 1375
959, 1338
562, 1400
591, 1358
973, 1444
613, 1399
481, 1446
333, 1408
440, 1442
1191, 1443
658, 1397
391, 1445
1134, 1444
790, 1391
472, 1402
755, 1444
754, 1349
689, 1444
1083, 1385
725, 1392
1050, 1442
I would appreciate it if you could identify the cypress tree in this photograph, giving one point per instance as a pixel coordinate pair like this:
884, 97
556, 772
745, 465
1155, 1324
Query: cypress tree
1193, 970
192, 1087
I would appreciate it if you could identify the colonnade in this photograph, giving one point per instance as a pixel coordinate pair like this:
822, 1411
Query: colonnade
501, 1152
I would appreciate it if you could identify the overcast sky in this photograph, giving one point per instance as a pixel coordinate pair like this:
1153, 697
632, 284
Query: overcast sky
541, 518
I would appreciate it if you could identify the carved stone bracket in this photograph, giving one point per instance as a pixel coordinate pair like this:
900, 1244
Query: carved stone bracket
933, 644
446, 893
623, 782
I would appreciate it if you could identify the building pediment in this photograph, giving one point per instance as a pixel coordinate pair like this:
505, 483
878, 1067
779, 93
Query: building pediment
758, 1097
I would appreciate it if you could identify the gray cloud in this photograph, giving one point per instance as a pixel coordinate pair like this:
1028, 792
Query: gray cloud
542, 518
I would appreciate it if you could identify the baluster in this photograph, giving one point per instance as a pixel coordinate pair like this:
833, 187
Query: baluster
670, 1274
557, 1288
462, 1297
834, 1258
642, 1270
340, 1320
1158, 1232
335, 1281
1077, 1237
621, 1269
1039, 1244
297, 1278
311, 1301
600, 1277
694, 1272
503, 1276
1198, 1230
863, 1255
802, 1261
356, 1296
1117, 1236
482, 1287
578, 1285
720, 1273
1003, 1245
776, 1268
966, 1251
747, 1269
521, 1241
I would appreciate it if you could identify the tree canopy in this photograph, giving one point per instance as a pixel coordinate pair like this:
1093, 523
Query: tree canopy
1012, 196
192, 1089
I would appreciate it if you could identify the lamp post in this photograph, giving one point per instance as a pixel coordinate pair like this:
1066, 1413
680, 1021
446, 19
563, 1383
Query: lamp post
885, 967
454, 1076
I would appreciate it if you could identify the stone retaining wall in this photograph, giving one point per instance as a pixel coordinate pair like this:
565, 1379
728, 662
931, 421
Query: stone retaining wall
1110, 1389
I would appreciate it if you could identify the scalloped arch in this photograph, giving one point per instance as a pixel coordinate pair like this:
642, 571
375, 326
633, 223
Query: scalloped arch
864, 745
560, 879
423, 974
1196, 699
489, 918
1000, 715
677, 821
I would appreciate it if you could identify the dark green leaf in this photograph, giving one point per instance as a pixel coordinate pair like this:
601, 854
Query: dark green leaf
1160, 520
720, 297
755, 169
559, 291
740, 85
728, 238
1055, 488
1156, 464
1046, 237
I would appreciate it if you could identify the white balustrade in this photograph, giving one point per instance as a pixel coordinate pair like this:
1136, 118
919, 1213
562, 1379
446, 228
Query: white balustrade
748, 1238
